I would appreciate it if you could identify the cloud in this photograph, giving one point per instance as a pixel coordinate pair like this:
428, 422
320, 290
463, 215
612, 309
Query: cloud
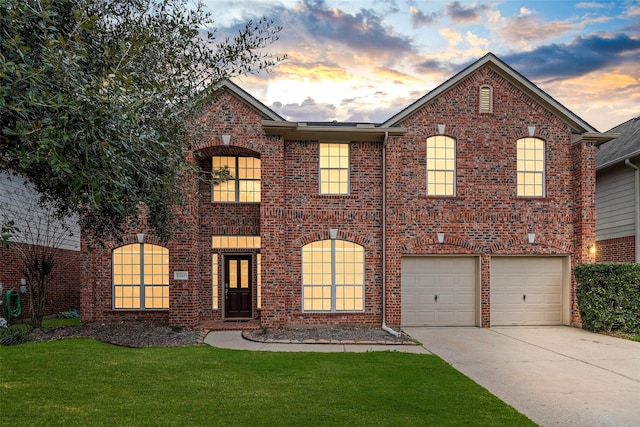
530, 27
451, 36
590, 5
420, 19
607, 97
431, 66
313, 70
373, 110
579, 57
465, 14
364, 30
309, 110
394, 75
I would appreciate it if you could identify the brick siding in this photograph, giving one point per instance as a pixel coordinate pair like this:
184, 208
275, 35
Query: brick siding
63, 290
622, 249
485, 218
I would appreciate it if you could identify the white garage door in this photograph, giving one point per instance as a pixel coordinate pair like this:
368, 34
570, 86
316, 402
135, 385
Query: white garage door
526, 290
439, 291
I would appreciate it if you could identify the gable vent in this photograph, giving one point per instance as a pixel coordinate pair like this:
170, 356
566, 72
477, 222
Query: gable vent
486, 99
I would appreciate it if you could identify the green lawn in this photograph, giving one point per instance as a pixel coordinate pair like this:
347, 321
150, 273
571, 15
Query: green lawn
82, 382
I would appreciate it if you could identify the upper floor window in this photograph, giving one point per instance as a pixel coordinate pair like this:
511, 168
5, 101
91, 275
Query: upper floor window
486, 99
332, 276
334, 168
441, 166
530, 167
140, 277
236, 179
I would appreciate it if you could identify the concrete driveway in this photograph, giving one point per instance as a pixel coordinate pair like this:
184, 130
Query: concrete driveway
557, 376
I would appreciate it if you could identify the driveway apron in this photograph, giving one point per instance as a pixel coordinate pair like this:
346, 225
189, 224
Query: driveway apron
556, 376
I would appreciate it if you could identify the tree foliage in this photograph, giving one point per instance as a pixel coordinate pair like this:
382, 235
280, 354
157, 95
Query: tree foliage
98, 97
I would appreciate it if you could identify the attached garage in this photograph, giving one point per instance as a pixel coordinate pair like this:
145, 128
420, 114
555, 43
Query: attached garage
528, 290
439, 291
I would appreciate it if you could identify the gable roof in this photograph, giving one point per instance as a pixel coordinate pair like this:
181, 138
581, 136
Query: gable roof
577, 124
625, 146
266, 112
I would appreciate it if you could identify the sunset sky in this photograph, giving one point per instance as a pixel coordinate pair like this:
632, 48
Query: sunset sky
366, 60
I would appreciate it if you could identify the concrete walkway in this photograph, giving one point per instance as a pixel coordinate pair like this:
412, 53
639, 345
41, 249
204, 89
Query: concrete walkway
234, 340
557, 376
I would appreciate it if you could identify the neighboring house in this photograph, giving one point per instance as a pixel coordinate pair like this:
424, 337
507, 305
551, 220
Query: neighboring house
470, 207
618, 195
19, 203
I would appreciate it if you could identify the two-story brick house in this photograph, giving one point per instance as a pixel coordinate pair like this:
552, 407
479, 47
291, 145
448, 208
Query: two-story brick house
469, 207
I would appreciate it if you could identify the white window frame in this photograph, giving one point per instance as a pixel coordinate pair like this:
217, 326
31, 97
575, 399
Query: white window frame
142, 285
523, 167
442, 170
237, 181
329, 169
334, 285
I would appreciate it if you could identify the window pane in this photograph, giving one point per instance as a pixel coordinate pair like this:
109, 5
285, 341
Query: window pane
334, 168
244, 273
156, 258
440, 166
156, 297
235, 242
249, 191
530, 167
316, 276
333, 273
233, 274
259, 279
224, 191
242, 183
214, 281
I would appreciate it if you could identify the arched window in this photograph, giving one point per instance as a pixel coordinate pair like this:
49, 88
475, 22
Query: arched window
140, 277
441, 166
530, 167
332, 276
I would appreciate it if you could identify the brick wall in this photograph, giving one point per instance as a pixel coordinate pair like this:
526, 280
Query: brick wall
63, 291
622, 249
96, 289
291, 214
486, 216
305, 217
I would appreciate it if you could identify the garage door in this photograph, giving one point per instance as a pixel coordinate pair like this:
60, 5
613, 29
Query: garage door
439, 291
526, 290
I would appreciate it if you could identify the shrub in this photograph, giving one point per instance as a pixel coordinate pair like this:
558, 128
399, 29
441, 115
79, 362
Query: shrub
609, 296
14, 335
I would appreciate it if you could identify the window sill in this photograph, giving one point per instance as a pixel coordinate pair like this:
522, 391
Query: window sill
234, 203
427, 196
334, 312
333, 196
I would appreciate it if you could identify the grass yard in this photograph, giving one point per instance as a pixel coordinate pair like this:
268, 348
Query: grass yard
82, 382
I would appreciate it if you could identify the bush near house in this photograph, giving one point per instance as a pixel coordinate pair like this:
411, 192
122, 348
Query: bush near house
609, 296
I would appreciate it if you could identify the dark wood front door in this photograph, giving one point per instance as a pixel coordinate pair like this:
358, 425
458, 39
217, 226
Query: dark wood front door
237, 286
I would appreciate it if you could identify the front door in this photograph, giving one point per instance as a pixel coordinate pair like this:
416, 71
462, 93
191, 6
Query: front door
237, 286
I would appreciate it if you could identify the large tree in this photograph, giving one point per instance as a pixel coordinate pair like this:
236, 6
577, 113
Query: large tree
97, 98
